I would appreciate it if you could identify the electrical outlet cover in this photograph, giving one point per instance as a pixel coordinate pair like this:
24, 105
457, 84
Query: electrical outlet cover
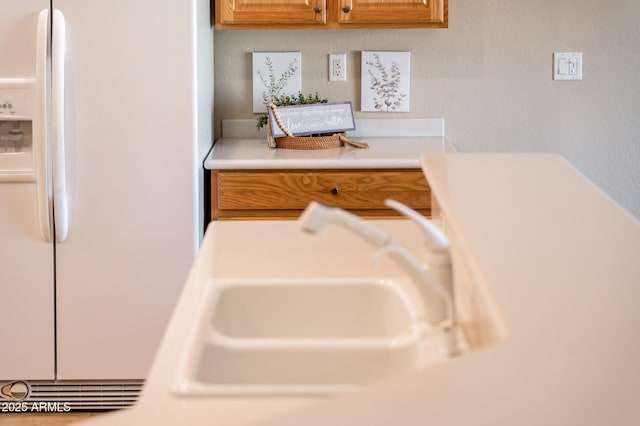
338, 67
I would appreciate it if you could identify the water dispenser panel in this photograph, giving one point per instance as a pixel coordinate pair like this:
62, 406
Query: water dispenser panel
16, 130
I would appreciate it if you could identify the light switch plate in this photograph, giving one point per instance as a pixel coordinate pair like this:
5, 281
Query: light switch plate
567, 66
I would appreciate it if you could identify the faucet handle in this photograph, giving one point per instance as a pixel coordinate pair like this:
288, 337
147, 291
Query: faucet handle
435, 294
436, 240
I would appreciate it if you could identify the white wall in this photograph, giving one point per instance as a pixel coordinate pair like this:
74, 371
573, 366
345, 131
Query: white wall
490, 76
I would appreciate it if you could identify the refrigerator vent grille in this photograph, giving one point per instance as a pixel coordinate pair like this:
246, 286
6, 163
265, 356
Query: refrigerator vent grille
86, 395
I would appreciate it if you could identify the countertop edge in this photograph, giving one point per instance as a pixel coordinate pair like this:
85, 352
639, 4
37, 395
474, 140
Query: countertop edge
311, 165
252, 154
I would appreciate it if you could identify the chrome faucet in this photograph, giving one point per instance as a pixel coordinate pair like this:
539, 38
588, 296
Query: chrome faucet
433, 280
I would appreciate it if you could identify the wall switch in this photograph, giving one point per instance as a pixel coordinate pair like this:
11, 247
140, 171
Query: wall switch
567, 66
338, 67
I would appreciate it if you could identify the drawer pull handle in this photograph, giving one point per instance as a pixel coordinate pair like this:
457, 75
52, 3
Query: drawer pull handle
318, 9
346, 9
335, 191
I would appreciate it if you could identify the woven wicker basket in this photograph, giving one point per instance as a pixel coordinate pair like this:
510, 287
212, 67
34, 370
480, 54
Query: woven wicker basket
335, 140
309, 142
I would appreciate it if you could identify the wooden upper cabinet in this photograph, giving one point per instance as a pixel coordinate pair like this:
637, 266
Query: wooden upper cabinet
330, 14
259, 13
393, 12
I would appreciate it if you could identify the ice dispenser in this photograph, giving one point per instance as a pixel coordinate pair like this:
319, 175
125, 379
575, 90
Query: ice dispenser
16, 130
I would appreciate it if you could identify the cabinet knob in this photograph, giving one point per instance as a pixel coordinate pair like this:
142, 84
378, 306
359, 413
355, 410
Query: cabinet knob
318, 9
346, 9
335, 191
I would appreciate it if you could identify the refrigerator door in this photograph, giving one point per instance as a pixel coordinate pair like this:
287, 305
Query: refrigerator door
26, 260
131, 182
26, 287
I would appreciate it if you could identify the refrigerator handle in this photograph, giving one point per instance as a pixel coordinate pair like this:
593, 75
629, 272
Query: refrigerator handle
58, 54
40, 129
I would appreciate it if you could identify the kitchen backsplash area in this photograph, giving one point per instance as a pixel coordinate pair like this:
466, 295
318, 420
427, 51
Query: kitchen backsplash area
489, 75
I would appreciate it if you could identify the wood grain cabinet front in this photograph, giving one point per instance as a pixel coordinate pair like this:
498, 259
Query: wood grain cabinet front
244, 14
284, 194
330, 14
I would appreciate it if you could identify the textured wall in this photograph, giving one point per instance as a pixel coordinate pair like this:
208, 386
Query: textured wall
490, 76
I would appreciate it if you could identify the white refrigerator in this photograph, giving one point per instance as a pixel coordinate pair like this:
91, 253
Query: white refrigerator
105, 118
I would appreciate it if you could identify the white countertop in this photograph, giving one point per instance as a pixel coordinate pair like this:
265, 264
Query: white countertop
249, 249
386, 152
560, 260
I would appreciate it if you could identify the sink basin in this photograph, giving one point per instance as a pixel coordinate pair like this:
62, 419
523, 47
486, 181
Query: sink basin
306, 336
311, 310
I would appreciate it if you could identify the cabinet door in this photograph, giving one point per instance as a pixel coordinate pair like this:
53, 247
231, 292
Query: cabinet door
270, 12
132, 237
389, 12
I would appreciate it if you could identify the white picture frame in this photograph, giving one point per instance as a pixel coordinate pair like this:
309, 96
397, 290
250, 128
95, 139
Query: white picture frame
275, 74
385, 81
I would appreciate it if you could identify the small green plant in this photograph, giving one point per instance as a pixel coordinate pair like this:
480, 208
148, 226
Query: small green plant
285, 100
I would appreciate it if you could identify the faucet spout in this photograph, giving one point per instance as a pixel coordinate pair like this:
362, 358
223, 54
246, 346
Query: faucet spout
317, 215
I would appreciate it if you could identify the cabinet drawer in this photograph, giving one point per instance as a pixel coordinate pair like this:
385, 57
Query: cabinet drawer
285, 193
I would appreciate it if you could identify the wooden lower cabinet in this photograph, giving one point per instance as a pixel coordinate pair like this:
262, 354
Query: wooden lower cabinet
284, 194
